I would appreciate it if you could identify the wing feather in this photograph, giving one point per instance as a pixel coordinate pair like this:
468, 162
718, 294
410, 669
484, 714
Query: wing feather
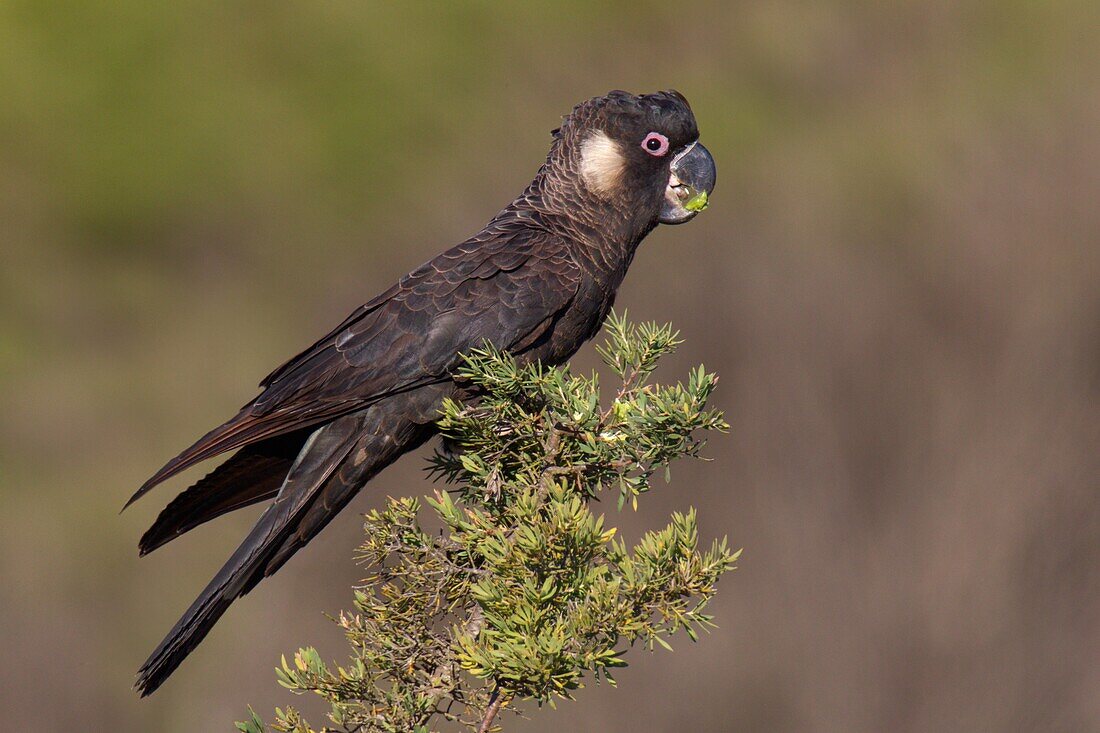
505, 287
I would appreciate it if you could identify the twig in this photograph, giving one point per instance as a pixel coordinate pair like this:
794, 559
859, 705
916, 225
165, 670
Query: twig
626, 388
495, 701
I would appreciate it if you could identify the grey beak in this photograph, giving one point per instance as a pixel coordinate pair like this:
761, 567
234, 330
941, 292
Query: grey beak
691, 180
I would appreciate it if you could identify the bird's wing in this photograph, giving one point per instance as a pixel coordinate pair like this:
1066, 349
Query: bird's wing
506, 287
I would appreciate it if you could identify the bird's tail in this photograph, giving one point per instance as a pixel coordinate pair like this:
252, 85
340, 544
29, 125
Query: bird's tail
320, 458
335, 461
253, 475
194, 625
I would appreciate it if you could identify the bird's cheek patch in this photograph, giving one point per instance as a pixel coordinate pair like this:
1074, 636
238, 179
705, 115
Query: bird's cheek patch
602, 163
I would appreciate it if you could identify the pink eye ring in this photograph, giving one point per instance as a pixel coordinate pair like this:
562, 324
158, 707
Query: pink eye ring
655, 144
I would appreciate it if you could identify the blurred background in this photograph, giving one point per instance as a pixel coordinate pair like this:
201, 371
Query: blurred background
897, 280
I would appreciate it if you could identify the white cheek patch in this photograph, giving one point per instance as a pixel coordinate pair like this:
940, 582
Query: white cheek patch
602, 163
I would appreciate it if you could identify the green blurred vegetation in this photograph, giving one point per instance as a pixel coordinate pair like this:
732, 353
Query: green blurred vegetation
897, 276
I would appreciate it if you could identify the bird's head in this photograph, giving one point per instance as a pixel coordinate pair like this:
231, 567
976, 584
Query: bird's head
637, 154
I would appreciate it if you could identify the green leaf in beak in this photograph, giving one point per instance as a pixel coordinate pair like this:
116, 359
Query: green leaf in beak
698, 202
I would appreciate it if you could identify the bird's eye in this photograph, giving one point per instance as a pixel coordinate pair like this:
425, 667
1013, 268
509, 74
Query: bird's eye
655, 144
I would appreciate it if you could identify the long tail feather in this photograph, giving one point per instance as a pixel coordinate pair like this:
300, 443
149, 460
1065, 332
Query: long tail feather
254, 474
334, 463
322, 453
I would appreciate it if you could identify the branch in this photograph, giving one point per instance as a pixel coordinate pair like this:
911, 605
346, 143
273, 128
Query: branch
491, 712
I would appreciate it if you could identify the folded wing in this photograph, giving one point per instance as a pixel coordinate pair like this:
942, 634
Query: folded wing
506, 286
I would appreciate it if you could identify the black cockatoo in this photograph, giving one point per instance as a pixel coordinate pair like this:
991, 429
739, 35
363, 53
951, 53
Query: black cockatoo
537, 282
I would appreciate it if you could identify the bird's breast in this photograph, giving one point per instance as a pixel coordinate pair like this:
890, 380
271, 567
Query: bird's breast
576, 324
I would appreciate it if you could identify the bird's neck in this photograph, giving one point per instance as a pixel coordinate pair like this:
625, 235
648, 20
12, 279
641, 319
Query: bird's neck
604, 234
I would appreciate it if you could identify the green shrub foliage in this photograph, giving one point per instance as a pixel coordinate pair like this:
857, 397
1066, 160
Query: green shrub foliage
508, 587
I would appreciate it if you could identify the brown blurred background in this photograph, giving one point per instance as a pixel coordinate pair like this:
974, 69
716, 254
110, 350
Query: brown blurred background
897, 280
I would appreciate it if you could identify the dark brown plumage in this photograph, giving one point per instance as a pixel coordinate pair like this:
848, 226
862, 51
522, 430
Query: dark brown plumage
537, 281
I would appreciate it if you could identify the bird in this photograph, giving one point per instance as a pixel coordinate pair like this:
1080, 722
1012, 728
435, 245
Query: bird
536, 282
